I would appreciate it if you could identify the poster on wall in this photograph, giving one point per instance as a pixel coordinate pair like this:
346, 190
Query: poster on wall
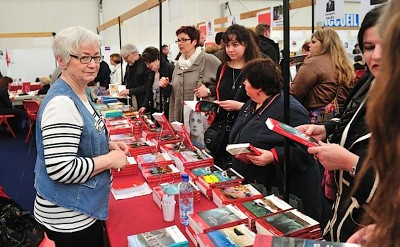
367, 5
233, 19
329, 9
264, 17
277, 16
210, 29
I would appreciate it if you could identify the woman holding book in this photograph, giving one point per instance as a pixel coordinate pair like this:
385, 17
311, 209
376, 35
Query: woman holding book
347, 137
263, 82
240, 48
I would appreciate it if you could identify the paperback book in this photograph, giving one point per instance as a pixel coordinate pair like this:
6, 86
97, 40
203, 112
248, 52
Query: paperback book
240, 236
240, 150
290, 223
166, 237
172, 189
194, 173
162, 174
290, 132
218, 179
216, 218
235, 194
153, 160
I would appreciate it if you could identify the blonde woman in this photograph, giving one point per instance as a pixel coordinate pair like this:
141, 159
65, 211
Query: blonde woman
328, 73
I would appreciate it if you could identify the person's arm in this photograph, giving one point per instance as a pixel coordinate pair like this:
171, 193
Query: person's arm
61, 135
304, 81
210, 73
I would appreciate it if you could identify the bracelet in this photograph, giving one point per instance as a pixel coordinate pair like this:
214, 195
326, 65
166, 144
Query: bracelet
208, 92
352, 171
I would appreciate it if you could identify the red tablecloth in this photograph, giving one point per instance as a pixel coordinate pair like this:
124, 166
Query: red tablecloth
141, 214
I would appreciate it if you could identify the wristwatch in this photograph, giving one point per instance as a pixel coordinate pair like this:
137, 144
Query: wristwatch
352, 171
208, 92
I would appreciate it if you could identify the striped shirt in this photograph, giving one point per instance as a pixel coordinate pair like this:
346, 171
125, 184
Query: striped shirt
62, 126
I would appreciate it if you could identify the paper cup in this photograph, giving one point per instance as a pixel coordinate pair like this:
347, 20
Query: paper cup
168, 209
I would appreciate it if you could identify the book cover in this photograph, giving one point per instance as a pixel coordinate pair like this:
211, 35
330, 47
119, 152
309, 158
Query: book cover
163, 122
265, 206
216, 218
126, 137
274, 241
119, 129
287, 223
220, 177
242, 148
161, 174
180, 130
165, 237
172, 189
239, 236
202, 105
153, 160
194, 173
235, 194
290, 132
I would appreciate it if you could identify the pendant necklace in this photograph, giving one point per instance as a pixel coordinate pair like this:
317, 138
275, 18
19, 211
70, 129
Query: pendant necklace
235, 79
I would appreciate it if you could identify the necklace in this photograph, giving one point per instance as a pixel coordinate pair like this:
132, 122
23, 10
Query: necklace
235, 79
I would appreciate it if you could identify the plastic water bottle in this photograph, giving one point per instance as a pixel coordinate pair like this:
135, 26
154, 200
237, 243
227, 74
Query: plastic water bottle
185, 200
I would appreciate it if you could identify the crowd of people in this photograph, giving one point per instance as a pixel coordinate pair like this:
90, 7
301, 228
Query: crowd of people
348, 182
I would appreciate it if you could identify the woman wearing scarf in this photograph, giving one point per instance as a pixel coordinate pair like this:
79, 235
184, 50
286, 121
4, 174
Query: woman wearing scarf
194, 73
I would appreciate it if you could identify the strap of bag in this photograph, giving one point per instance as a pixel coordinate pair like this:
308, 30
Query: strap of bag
219, 80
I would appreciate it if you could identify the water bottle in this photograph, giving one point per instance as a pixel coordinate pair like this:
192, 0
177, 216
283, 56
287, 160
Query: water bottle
185, 200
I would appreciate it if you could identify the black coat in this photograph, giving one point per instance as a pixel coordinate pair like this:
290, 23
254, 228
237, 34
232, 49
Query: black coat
304, 175
269, 48
103, 76
137, 80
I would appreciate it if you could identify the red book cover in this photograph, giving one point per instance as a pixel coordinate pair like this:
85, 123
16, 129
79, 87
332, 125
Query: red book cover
240, 150
153, 160
192, 235
235, 194
179, 129
130, 169
168, 173
290, 132
120, 129
216, 218
163, 122
117, 121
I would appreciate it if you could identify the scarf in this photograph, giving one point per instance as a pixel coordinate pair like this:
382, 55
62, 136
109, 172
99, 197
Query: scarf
184, 63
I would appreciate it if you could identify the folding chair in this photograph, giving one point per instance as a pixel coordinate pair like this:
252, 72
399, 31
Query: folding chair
31, 108
3, 119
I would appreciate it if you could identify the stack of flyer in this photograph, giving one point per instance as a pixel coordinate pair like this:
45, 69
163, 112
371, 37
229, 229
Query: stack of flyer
290, 223
141, 146
162, 174
156, 159
239, 235
216, 218
194, 173
165, 237
172, 189
263, 207
218, 179
235, 194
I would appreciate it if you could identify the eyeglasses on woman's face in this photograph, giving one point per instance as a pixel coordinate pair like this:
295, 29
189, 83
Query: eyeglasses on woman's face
88, 59
182, 40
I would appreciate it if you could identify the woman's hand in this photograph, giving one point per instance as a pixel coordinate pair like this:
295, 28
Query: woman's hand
121, 146
362, 236
116, 159
333, 156
124, 92
230, 105
164, 81
264, 159
142, 110
201, 92
317, 132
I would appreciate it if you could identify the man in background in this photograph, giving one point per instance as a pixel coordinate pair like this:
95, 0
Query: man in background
137, 76
202, 38
165, 52
267, 45
218, 41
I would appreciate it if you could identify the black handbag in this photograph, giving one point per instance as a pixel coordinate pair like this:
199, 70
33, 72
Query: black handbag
18, 227
216, 136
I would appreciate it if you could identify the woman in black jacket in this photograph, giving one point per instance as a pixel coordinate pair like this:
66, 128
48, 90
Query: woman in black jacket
157, 96
6, 107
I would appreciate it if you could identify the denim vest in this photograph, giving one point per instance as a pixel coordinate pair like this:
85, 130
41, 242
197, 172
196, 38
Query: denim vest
92, 197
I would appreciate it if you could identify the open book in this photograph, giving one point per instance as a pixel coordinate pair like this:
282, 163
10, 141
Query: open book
290, 132
242, 148
116, 89
202, 106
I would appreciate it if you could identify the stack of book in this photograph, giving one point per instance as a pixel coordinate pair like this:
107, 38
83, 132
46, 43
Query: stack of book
212, 219
271, 241
156, 159
128, 187
235, 194
218, 179
126, 137
112, 113
239, 235
194, 173
128, 170
141, 146
165, 237
260, 208
120, 126
136, 122
163, 174
290, 223
167, 134
172, 189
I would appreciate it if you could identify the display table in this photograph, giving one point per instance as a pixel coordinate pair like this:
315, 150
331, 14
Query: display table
141, 214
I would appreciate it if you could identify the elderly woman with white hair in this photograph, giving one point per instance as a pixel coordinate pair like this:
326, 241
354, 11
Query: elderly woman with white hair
74, 156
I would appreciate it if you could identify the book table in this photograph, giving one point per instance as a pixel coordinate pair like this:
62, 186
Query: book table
140, 214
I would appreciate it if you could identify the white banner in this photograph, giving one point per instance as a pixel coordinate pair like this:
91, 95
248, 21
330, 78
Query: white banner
329, 9
367, 5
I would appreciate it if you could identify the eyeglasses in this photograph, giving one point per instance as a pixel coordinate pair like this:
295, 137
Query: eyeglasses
182, 40
88, 59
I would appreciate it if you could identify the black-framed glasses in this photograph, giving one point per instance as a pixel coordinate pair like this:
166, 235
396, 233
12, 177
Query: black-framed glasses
182, 40
88, 59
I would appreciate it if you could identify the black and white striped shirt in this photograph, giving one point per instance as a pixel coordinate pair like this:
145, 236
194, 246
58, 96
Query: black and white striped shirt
62, 125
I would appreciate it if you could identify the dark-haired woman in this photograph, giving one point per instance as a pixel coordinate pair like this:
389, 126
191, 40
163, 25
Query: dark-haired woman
157, 96
6, 107
240, 48
263, 82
